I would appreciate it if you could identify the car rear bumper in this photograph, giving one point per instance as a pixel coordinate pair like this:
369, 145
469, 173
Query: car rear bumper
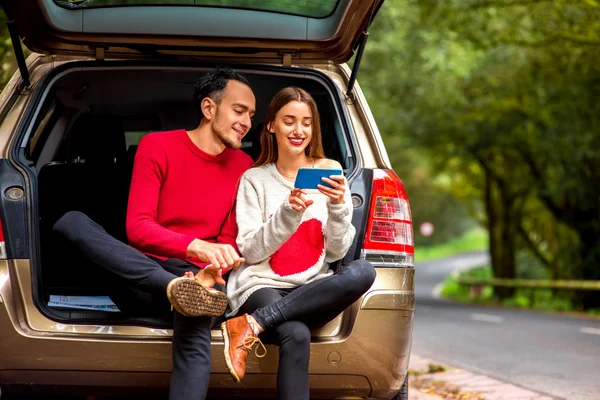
368, 358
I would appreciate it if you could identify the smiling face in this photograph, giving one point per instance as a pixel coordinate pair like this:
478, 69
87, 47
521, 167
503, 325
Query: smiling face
292, 127
233, 114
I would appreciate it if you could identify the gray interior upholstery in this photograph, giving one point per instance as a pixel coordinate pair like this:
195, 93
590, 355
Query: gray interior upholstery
153, 99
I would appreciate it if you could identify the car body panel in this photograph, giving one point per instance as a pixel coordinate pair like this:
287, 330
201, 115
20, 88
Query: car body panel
373, 360
201, 32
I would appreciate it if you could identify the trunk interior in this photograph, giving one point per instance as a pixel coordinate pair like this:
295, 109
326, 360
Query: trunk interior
87, 123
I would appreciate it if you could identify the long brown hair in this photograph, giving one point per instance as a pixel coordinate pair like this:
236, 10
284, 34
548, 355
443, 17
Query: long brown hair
268, 143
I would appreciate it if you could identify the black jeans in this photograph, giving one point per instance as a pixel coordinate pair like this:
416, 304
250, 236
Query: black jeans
140, 289
288, 314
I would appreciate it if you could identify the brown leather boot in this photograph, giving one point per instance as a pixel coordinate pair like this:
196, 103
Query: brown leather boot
239, 337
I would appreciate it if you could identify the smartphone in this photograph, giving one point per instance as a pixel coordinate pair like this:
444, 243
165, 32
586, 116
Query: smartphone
309, 178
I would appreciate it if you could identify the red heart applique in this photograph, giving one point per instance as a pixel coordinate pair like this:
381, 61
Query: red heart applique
301, 251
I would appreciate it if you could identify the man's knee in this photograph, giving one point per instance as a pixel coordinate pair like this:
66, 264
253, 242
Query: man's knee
69, 222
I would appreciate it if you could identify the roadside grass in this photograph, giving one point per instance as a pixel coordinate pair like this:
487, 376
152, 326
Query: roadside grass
452, 290
524, 298
595, 312
473, 240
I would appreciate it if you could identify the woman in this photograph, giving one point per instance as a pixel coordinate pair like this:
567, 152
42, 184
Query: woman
288, 237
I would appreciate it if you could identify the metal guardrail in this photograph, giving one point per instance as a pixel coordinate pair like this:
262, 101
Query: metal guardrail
529, 283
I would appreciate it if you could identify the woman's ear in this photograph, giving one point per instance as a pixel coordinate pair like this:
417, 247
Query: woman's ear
208, 108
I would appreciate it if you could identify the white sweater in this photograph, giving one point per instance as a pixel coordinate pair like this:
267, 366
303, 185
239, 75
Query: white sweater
284, 248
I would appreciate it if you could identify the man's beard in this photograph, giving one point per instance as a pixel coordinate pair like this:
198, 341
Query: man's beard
228, 141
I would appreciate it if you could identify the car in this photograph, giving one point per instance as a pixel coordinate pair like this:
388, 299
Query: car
103, 73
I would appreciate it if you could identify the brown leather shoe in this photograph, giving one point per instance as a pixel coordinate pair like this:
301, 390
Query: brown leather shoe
239, 339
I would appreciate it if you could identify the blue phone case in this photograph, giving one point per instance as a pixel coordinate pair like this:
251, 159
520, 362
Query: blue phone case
309, 178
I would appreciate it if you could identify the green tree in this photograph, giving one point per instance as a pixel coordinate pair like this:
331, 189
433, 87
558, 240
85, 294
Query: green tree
499, 98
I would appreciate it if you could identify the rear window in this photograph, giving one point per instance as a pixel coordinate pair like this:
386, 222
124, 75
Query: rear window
304, 8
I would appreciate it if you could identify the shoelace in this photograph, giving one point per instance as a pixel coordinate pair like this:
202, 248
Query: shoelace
250, 341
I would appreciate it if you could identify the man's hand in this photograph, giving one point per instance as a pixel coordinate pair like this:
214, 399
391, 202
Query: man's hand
220, 256
207, 276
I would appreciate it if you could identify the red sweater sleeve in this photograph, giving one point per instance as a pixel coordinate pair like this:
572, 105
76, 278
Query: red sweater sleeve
143, 232
229, 231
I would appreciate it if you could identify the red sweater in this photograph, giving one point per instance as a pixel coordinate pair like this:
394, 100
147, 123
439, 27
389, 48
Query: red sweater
180, 193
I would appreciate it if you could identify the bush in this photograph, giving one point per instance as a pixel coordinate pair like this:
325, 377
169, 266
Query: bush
535, 299
451, 289
518, 301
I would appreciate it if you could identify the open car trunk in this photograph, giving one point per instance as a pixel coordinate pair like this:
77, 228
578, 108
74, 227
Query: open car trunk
263, 31
80, 148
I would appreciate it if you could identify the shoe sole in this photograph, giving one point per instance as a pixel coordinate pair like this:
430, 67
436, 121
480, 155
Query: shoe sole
192, 299
235, 377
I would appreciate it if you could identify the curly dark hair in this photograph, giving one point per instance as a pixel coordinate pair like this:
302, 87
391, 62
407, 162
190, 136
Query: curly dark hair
213, 84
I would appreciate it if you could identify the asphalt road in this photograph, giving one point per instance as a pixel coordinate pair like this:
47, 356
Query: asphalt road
552, 354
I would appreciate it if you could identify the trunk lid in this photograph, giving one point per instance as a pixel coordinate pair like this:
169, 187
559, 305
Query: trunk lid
265, 31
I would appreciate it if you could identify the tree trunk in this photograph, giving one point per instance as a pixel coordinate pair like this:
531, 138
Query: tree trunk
502, 230
590, 251
492, 219
506, 243
555, 272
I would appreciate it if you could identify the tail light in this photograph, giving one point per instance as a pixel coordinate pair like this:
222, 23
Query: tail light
2, 244
389, 238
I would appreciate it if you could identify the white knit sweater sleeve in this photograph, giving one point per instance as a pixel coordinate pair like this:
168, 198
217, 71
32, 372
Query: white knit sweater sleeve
339, 231
258, 239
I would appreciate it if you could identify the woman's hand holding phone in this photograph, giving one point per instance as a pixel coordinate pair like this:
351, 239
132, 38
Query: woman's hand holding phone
297, 200
336, 191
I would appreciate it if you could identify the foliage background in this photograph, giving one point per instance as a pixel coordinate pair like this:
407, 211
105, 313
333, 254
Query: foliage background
490, 114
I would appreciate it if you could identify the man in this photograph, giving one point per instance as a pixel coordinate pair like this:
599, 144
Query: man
178, 222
